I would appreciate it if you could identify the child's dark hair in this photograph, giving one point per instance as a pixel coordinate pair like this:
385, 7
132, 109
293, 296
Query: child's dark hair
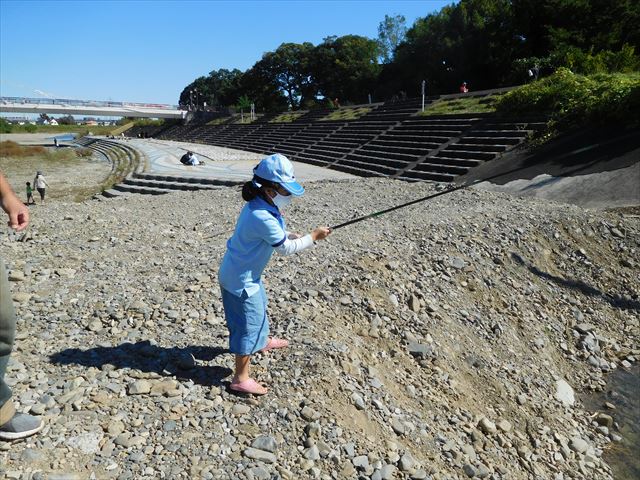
28, 183
251, 190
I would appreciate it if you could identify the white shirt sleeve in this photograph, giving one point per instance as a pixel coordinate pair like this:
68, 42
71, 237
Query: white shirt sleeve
289, 247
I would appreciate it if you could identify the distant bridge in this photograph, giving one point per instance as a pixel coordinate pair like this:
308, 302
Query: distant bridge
90, 107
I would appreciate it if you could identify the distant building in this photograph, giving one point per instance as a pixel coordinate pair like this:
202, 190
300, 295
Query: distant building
17, 120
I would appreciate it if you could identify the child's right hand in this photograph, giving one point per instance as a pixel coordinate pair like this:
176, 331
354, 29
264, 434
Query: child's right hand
320, 233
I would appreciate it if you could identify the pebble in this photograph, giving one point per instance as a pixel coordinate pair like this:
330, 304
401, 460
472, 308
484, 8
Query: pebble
487, 426
265, 442
122, 343
260, 455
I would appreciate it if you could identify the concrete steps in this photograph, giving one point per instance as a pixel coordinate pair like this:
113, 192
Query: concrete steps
390, 140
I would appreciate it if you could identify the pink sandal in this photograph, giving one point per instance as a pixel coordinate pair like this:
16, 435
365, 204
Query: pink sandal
248, 386
275, 343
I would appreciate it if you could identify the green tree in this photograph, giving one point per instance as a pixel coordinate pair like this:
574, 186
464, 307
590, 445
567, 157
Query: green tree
590, 25
347, 68
243, 104
219, 88
66, 120
391, 32
267, 96
288, 69
471, 41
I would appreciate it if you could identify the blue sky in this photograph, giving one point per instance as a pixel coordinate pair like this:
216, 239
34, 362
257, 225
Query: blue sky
149, 50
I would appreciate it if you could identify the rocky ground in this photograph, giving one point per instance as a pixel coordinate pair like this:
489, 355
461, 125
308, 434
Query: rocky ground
442, 341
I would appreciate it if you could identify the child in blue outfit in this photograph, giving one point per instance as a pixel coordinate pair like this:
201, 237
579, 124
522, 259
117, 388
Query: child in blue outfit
259, 231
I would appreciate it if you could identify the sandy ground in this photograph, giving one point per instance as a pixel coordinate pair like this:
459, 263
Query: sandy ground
69, 178
32, 138
222, 163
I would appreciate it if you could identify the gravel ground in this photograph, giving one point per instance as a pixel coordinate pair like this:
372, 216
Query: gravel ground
448, 340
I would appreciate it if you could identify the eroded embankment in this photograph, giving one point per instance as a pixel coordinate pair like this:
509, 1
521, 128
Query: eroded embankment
430, 342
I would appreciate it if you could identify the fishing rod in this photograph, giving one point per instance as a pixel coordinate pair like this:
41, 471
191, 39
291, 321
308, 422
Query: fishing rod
423, 199
397, 207
461, 187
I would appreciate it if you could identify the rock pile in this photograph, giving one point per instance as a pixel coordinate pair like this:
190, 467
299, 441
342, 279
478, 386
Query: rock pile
446, 340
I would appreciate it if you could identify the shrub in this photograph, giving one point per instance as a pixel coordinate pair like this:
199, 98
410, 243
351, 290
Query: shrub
606, 61
149, 122
5, 127
574, 100
83, 152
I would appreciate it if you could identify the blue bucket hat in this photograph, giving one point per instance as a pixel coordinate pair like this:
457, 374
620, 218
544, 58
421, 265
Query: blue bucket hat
278, 169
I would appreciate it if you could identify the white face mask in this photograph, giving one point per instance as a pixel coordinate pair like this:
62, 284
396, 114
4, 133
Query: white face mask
281, 201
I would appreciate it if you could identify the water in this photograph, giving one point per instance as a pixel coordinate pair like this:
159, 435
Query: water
67, 137
623, 391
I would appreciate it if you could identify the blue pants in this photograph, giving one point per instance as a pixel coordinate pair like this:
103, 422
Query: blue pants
247, 321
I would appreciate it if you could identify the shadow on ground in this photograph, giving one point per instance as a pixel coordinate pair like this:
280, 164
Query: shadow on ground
615, 300
175, 362
585, 152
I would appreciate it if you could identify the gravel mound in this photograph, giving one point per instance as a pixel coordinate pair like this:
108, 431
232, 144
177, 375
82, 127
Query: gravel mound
446, 340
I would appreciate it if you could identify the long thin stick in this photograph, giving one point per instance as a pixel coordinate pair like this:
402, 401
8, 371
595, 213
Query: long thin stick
460, 187
382, 212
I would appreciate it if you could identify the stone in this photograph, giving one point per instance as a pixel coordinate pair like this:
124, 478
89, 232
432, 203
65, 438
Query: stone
361, 461
414, 303
420, 350
240, 409
165, 387
482, 471
388, 472
16, 276
579, 445
457, 263
469, 470
261, 455
584, 328
139, 387
265, 442
87, 443
564, 393
605, 420
312, 453
407, 462
358, 401
504, 425
487, 426
309, 413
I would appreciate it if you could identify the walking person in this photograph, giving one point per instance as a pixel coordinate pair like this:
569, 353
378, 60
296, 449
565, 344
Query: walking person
40, 183
260, 230
13, 425
30, 199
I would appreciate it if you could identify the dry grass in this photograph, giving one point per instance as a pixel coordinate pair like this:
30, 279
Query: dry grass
71, 178
462, 105
347, 113
12, 149
287, 117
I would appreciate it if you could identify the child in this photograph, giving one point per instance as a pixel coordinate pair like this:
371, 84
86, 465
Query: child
30, 199
259, 231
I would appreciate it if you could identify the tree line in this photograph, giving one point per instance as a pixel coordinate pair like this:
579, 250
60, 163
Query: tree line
486, 43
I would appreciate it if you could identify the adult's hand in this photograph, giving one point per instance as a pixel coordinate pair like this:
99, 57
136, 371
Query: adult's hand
18, 213
16, 210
